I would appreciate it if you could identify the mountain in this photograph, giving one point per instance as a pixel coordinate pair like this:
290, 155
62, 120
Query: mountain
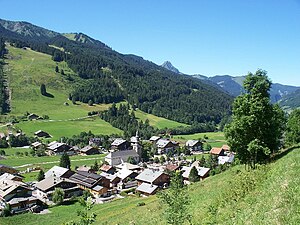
291, 101
104, 75
168, 65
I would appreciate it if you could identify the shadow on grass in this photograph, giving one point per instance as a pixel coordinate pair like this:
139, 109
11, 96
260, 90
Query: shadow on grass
283, 153
48, 95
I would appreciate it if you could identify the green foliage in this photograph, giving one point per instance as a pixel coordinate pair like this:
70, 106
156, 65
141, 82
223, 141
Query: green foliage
6, 211
293, 128
193, 176
95, 167
176, 200
58, 196
131, 160
40, 176
65, 161
162, 159
254, 117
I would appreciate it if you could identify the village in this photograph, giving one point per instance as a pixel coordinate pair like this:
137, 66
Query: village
123, 171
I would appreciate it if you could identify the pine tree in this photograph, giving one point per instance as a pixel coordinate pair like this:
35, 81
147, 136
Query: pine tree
65, 161
58, 196
41, 175
193, 176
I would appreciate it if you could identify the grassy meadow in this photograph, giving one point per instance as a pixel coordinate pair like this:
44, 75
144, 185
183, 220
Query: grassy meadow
272, 199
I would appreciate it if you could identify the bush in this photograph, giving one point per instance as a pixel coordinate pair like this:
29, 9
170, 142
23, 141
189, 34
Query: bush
141, 204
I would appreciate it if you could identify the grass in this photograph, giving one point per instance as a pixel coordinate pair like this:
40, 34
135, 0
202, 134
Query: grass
274, 199
158, 122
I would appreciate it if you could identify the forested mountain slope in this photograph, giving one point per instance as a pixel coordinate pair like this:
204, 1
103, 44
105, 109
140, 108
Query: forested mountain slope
107, 76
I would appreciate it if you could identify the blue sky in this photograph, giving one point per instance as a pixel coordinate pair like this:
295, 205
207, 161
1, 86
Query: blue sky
206, 37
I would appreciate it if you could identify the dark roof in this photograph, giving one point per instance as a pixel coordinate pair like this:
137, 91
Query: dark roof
85, 178
87, 148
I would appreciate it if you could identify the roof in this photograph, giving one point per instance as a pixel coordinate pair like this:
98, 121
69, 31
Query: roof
118, 142
149, 176
226, 159
172, 167
56, 171
121, 154
147, 188
8, 176
50, 182
21, 199
202, 171
108, 176
36, 144
85, 178
154, 138
97, 188
87, 148
41, 131
128, 166
162, 143
225, 147
84, 168
105, 167
216, 151
124, 173
55, 145
191, 143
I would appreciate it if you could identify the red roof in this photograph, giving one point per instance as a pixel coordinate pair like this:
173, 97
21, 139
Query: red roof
172, 167
105, 168
225, 147
216, 151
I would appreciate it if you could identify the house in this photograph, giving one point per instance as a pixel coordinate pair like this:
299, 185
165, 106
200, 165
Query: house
194, 145
202, 172
89, 150
217, 151
154, 139
147, 189
95, 142
94, 183
15, 193
127, 179
172, 167
113, 179
120, 144
37, 145
226, 159
107, 169
116, 158
57, 148
33, 116
59, 172
85, 169
226, 148
7, 169
149, 176
41, 133
46, 187
164, 146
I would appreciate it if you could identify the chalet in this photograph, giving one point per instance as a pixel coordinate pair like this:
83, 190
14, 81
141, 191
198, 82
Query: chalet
226, 159
120, 144
147, 189
107, 169
41, 133
85, 169
154, 139
217, 151
37, 145
172, 167
33, 116
202, 172
113, 179
89, 150
59, 172
7, 169
46, 187
164, 146
116, 158
194, 145
149, 176
94, 183
15, 193
127, 179
95, 141
57, 148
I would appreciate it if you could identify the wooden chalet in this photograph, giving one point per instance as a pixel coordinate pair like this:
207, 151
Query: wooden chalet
89, 150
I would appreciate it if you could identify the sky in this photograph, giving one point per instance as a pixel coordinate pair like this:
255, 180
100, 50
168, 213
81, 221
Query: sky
208, 37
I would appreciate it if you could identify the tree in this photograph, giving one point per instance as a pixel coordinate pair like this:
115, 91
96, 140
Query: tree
194, 176
41, 175
90, 102
131, 160
256, 125
56, 69
156, 160
176, 200
65, 161
293, 128
202, 161
162, 159
58, 196
43, 89
95, 167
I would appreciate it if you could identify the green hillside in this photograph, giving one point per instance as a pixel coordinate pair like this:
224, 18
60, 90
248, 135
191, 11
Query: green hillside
27, 70
269, 195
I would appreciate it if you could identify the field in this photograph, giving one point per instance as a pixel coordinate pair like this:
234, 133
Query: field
273, 199
156, 121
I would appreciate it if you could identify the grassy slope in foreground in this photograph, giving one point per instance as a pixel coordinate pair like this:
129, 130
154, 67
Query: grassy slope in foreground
27, 70
274, 200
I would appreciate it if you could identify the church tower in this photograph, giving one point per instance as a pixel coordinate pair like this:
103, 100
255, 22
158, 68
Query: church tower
135, 143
